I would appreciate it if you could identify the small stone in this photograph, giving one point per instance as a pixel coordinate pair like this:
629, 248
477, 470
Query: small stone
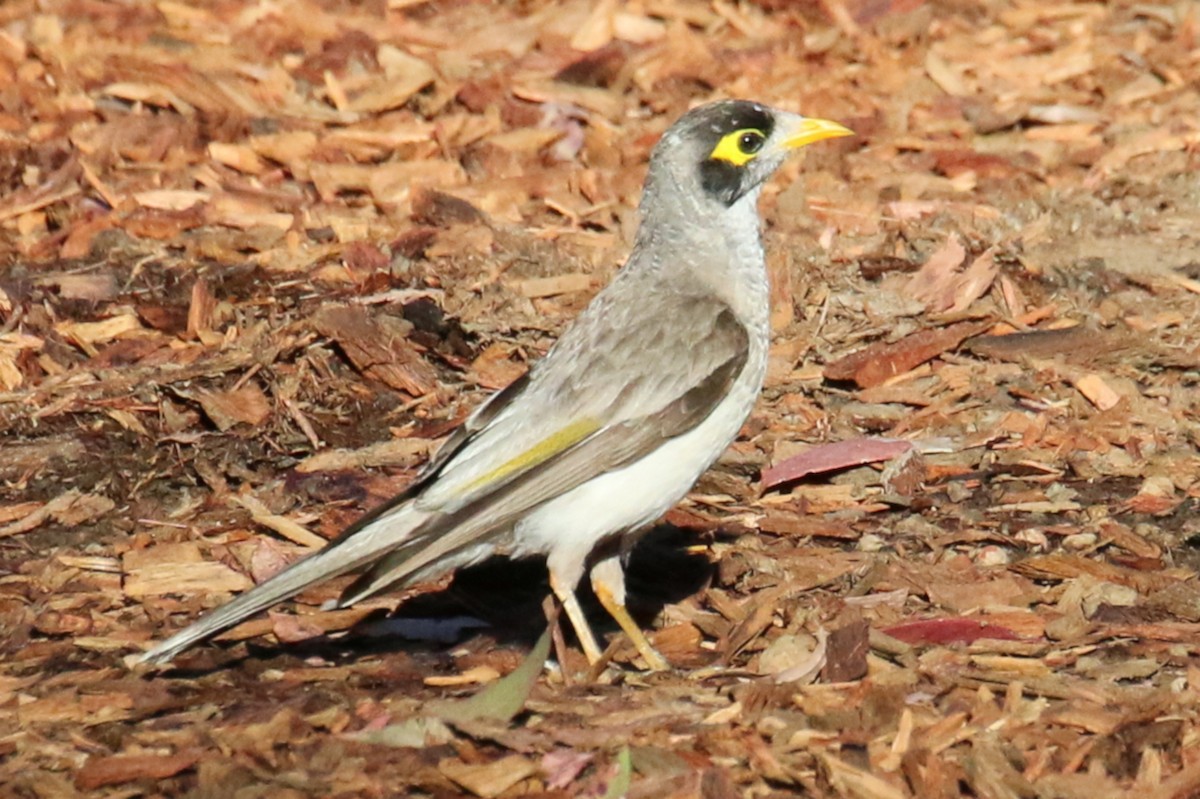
1079, 541
871, 543
993, 556
1033, 537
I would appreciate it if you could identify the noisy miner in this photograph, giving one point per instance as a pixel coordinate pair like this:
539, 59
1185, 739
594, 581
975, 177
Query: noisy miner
634, 402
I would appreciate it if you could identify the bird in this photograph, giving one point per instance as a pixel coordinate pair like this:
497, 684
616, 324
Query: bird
631, 405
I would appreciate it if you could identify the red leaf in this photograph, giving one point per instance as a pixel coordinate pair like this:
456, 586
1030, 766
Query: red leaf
831, 457
948, 631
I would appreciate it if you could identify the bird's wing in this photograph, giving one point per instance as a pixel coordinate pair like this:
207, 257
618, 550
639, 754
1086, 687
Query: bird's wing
676, 371
616, 363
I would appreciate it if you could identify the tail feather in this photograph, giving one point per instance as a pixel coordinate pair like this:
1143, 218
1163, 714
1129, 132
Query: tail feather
387, 571
379, 536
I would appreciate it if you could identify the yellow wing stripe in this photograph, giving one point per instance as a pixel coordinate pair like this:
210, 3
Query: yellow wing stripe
540, 452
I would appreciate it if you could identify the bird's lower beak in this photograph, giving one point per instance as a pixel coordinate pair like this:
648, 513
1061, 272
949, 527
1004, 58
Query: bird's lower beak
805, 131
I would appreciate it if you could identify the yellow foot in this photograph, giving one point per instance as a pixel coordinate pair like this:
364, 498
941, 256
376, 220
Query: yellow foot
654, 660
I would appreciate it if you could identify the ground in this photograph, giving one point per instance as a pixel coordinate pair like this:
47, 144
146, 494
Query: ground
257, 259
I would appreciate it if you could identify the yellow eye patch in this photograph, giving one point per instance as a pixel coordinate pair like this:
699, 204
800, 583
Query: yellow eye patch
739, 147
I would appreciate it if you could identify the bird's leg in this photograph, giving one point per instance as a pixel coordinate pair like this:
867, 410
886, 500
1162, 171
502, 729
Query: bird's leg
565, 591
608, 581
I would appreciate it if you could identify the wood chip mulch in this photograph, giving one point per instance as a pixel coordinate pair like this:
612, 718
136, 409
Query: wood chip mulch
258, 258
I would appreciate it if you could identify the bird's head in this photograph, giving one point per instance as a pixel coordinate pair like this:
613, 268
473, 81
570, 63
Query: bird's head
722, 151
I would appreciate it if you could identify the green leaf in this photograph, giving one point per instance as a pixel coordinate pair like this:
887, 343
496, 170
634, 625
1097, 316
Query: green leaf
417, 732
503, 699
619, 786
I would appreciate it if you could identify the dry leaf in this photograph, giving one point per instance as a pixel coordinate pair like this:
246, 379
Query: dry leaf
245, 405
832, 457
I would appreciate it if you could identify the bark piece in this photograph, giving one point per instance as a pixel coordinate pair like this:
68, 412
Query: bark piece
378, 346
882, 361
100, 771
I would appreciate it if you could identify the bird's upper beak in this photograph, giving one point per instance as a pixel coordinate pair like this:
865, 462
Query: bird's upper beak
801, 131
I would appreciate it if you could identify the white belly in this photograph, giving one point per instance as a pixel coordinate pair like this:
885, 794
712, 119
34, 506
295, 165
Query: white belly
569, 527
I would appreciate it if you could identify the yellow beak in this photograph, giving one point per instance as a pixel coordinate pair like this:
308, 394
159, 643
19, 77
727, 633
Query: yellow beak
806, 131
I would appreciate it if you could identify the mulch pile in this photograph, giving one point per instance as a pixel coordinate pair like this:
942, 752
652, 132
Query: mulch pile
258, 258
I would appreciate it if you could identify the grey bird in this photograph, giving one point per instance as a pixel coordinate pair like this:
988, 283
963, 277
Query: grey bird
639, 396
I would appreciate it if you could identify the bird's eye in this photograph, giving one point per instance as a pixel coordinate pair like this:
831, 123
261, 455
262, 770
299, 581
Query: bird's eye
739, 147
750, 142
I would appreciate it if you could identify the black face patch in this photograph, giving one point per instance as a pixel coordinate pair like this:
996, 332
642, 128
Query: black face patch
721, 180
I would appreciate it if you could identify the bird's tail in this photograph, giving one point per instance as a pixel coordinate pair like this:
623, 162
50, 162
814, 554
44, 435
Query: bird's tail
379, 535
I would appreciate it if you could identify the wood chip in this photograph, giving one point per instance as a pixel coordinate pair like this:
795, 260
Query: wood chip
881, 362
100, 771
1097, 391
404, 76
475, 676
71, 508
287, 528
87, 333
489, 779
177, 569
378, 345
397, 452
550, 286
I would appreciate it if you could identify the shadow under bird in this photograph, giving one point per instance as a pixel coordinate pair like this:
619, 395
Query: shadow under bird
634, 402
